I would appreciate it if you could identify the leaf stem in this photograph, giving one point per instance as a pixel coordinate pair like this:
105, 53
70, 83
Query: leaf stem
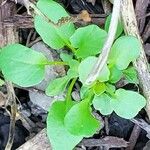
56, 63
38, 12
68, 96
90, 96
70, 47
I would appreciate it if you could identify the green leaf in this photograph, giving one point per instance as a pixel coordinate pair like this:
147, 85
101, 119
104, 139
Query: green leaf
1, 82
57, 86
73, 64
83, 91
73, 71
103, 104
61, 83
104, 74
80, 121
125, 50
110, 89
115, 74
59, 136
88, 40
66, 57
86, 66
55, 37
124, 103
99, 88
127, 103
119, 28
22, 65
131, 75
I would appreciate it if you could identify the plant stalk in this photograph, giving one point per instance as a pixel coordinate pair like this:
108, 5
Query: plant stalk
68, 96
141, 64
56, 63
103, 57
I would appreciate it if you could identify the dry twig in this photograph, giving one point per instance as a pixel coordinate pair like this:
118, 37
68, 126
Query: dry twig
9, 35
107, 142
141, 64
143, 125
134, 137
12, 102
102, 60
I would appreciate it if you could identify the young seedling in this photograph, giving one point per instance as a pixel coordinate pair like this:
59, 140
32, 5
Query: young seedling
68, 121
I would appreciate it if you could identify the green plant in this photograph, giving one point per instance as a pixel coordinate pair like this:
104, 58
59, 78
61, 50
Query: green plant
1, 82
68, 121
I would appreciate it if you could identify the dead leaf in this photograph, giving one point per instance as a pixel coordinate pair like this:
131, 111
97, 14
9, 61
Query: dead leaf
85, 16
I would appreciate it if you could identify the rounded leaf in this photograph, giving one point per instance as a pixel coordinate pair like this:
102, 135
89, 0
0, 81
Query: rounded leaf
73, 64
86, 66
103, 104
55, 37
60, 138
22, 65
99, 88
115, 74
88, 40
130, 75
104, 74
127, 103
125, 50
79, 120
57, 86
110, 88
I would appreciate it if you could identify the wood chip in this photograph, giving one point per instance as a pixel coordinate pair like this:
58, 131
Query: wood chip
2, 99
142, 124
85, 16
39, 142
108, 142
134, 137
